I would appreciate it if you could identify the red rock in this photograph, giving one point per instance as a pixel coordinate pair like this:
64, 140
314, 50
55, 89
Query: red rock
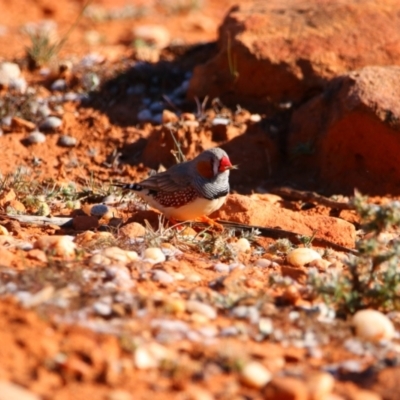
354, 132
255, 211
282, 51
286, 388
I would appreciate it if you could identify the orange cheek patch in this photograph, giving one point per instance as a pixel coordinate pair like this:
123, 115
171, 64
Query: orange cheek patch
204, 168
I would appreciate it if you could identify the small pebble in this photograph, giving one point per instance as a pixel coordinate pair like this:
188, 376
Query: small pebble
154, 255
99, 210
66, 141
194, 306
220, 121
158, 275
150, 355
302, 256
265, 326
59, 85
62, 246
50, 123
254, 374
102, 308
255, 118
242, 245
9, 71
263, 263
372, 325
222, 268
144, 115
36, 137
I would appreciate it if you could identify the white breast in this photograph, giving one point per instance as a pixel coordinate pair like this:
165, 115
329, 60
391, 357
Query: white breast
195, 209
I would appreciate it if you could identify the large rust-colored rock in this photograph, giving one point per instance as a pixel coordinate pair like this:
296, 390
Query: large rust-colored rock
352, 131
255, 210
283, 51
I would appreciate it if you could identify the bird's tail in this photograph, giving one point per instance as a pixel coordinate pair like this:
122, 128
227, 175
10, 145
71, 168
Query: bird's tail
128, 186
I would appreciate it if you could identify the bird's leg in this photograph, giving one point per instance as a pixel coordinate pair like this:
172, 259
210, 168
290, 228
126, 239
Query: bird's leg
210, 222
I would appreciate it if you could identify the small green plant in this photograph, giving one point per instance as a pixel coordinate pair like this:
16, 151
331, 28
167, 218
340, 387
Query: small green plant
372, 278
43, 48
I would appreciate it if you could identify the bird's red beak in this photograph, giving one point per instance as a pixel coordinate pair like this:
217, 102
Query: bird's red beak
225, 164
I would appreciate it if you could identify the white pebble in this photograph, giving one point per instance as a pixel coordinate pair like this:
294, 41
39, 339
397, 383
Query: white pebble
150, 355
59, 85
302, 256
8, 72
263, 263
62, 246
222, 268
154, 255
255, 117
36, 137
220, 121
158, 275
50, 123
66, 141
194, 306
254, 374
373, 325
242, 245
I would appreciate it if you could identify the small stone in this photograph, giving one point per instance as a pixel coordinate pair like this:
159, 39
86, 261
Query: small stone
133, 230
154, 255
116, 254
265, 326
3, 231
99, 210
320, 385
158, 275
62, 246
85, 222
372, 325
263, 263
66, 141
50, 124
59, 85
222, 268
150, 355
242, 245
8, 72
12, 391
286, 388
194, 306
36, 137
169, 117
302, 256
220, 121
22, 124
254, 374
102, 308
144, 115
255, 118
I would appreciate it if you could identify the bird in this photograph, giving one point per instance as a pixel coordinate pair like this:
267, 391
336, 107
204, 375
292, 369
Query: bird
191, 190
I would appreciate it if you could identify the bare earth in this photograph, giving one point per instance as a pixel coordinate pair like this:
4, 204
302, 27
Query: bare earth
81, 321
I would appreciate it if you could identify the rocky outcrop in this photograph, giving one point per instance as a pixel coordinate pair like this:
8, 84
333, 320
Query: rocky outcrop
286, 51
256, 210
352, 132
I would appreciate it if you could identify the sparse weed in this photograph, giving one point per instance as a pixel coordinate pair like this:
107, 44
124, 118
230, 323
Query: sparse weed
281, 246
372, 279
44, 47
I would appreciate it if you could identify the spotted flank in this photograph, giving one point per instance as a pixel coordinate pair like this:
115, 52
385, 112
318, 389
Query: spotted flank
177, 198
